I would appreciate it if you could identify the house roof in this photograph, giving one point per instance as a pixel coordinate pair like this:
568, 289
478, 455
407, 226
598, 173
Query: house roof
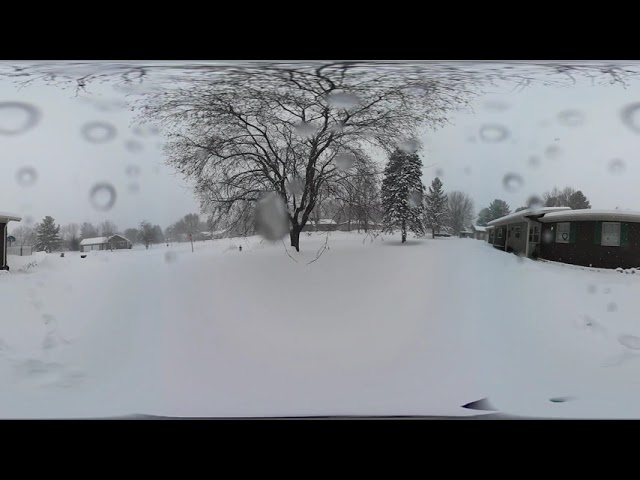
100, 240
7, 217
479, 228
520, 216
94, 241
466, 230
589, 214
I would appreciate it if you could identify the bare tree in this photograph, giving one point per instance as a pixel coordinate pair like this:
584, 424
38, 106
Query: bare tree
108, 228
255, 130
24, 235
461, 212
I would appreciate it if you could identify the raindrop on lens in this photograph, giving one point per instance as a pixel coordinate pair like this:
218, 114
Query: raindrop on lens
616, 166
26, 176
344, 161
512, 182
98, 132
409, 146
343, 100
272, 221
553, 152
571, 118
17, 117
305, 129
493, 133
415, 199
133, 146
629, 114
102, 196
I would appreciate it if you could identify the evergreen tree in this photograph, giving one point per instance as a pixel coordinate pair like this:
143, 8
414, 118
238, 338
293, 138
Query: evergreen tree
436, 212
578, 201
498, 208
402, 192
47, 235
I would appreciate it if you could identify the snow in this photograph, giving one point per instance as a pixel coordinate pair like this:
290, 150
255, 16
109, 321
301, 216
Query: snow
478, 228
6, 217
94, 241
589, 214
373, 327
519, 216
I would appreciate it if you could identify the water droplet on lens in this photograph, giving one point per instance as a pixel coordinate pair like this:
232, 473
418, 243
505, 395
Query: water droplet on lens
102, 196
592, 289
534, 202
305, 129
534, 161
28, 220
272, 220
629, 114
26, 176
512, 182
616, 166
493, 133
415, 199
612, 307
467, 170
133, 170
571, 118
439, 172
17, 117
629, 341
496, 106
170, 257
409, 146
134, 146
344, 161
133, 188
98, 132
553, 152
343, 100
295, 185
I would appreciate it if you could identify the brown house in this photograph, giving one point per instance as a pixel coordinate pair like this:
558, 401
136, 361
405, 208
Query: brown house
594, 238
5, 218
114, 242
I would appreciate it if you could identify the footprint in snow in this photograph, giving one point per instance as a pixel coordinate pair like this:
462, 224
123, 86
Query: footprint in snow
588, 323
629, 341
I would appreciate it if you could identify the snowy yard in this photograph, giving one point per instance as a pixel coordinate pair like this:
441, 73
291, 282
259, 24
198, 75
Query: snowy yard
368, 329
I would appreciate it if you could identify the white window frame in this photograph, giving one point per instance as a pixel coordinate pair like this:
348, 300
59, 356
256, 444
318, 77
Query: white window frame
517, 232
563, 227
612, 240
499, 233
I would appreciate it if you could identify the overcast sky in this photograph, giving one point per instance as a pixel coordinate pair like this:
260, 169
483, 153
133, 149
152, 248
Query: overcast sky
68, 165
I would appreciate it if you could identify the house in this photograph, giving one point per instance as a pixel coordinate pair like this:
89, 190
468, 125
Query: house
322, 225
443, 232
511, 233
5, 218
114, 242
355, 225
594, 238
466, 233
479, 232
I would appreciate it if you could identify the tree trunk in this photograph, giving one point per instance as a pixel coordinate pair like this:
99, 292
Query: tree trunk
294, 235
404, 231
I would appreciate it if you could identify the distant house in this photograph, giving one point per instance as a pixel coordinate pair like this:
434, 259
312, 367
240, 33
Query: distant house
114, 242
466, 233
479, 232
322, 225
355, 225
443, 232
5, 218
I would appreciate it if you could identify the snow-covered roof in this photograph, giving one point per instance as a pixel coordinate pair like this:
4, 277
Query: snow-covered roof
94, 241
7, 217
466, 230
479, 228
519, 216
327, 221
589, 214
101, 240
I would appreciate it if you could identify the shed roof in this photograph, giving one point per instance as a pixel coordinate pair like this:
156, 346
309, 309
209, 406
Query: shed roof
479, 228
101, 240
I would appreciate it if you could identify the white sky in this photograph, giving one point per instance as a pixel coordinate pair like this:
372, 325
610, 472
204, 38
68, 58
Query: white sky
68, 165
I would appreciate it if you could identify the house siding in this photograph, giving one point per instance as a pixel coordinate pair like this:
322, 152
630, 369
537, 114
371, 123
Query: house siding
517, 245
584, 251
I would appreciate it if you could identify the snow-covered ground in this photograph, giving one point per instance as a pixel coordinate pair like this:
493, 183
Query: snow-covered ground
370, 328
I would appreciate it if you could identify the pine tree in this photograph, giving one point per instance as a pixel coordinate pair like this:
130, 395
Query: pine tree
578, 201
436, 212
402, 192
47, 235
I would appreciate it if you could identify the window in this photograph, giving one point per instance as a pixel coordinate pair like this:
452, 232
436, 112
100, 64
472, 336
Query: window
562, 232
499, 233
610, 234
517, 232
536, 234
